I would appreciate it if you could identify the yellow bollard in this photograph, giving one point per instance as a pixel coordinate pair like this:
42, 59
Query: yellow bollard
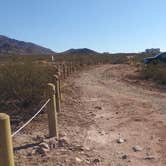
76, 67
57, 93
52, 113
61, 72
60, 93
6, 147
59, 68
64, 71
72, 67
68, 69
59, 85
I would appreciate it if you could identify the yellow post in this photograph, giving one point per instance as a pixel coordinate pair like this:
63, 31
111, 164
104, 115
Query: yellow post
68, 69
71, 67
6, 147
59, 67
52, 113
59, 71
57, 93
64, 71
74, 69
59, 86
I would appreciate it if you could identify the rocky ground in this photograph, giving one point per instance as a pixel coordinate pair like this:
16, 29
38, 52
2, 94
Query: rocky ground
109, 117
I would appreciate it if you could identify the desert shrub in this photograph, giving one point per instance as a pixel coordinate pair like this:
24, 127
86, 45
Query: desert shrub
118, 59
139, 58
156, 72
22, 83
15, 58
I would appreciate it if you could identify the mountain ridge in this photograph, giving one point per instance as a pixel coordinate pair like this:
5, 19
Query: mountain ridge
79, 51
9, 46
12, 46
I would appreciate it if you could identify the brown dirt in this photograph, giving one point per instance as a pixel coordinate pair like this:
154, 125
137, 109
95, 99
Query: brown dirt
100, 105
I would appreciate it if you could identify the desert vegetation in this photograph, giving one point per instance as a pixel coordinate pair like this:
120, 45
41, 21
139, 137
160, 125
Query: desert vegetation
155, 72
22, 82
23, 78
91, 59
152, 71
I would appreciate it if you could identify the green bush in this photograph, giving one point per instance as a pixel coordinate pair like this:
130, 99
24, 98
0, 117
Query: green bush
155, 72
22, 84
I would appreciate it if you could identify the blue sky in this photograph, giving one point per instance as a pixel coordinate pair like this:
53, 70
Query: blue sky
102, 25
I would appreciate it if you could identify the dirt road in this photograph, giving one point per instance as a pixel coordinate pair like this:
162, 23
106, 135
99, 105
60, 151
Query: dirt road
101, 105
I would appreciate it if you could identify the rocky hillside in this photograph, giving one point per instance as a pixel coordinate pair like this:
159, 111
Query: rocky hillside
10, 46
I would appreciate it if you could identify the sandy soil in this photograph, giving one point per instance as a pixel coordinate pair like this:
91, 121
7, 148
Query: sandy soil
100, 105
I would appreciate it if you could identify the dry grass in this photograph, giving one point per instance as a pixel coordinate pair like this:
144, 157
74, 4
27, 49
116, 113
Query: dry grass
23, 83
156, 72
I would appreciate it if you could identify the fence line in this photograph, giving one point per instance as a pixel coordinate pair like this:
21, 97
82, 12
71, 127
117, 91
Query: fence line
54, 95
40, 110
69, 71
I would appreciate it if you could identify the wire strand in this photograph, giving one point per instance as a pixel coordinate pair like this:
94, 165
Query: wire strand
16, 132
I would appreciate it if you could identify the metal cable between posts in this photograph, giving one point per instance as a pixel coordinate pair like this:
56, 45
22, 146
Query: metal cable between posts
31, 118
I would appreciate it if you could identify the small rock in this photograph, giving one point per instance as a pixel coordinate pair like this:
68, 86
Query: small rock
53, 143
137, 119
78, 160
102, 132
149, 158
62, 134
42, 150
31, 152
137, 148
120, 140
87, 161
124, 157
44, 145
96, 161
86, 148
98, 107
63, 142
39, 138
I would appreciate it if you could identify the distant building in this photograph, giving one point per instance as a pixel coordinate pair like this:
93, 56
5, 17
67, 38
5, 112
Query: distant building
153, 51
